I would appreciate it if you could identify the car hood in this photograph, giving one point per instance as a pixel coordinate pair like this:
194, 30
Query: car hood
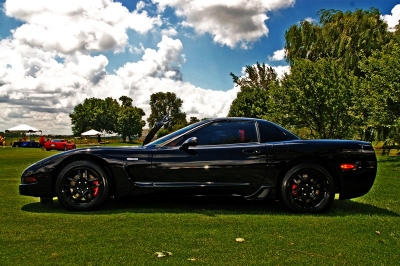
96, 151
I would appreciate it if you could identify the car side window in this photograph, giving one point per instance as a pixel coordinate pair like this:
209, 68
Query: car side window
224, 132
271, 133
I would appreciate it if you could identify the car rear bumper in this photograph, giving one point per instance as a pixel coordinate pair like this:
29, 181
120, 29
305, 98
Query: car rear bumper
357, 183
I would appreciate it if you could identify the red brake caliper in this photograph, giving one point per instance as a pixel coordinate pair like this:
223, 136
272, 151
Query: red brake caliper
294, 188
95, 189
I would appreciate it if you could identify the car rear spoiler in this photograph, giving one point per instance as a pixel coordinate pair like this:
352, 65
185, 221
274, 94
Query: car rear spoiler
165, 120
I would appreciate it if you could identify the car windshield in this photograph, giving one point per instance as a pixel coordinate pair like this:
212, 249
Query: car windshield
174, 134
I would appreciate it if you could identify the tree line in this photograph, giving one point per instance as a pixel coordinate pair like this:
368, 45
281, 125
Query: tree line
121, 117
343, 83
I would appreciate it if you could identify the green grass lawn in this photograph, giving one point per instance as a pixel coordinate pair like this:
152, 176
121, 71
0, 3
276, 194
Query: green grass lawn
363, 231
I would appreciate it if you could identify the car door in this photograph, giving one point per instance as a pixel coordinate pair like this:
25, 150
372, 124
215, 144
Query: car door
228, 159
275, 139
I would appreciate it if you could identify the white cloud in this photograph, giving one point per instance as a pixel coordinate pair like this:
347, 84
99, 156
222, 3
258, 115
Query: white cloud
393, 19
154, 63
169, 32
46, 66
76, 25
137, 50
278, 55
230, 23
157, 72
36, 89
280, 70
310, 20
140, 5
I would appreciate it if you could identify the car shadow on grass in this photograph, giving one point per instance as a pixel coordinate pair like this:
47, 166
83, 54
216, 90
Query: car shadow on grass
210, 206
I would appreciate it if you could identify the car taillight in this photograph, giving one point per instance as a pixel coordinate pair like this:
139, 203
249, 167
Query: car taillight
30, 180
347, 166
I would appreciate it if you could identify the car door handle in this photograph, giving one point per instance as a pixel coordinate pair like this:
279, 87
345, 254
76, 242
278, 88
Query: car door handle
255, 151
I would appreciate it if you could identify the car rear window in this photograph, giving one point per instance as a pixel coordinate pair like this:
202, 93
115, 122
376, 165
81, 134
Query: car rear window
270, 132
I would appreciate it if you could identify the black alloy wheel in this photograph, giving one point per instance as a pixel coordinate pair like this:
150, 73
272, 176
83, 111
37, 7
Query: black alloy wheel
308, 188
82, 186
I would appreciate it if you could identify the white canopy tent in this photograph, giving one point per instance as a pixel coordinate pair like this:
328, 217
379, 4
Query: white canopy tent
23, 129
91, 132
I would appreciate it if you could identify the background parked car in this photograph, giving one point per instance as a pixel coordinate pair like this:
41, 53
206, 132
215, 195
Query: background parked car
59, 145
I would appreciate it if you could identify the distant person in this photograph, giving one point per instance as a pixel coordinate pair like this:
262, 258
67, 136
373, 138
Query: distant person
41, 142
24, 138
98, 138
2, 140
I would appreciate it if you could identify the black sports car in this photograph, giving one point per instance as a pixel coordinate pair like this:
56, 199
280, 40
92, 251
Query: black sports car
246, 157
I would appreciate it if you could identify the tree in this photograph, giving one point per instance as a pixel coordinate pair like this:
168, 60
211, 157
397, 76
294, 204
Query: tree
257, 76
250, 102
162, 104
382, 82
254, 97
340, 40
126, 101
347, 36
323, 97
193, 120
129, 122
79, 120
87, 115
107, 115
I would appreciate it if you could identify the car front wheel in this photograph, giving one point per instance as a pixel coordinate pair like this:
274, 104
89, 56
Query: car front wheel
82, 186
307, 188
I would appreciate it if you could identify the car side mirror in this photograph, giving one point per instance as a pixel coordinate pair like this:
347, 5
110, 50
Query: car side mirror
189, 142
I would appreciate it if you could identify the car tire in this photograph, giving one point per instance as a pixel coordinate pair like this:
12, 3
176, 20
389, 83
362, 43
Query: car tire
82, 186
307, 188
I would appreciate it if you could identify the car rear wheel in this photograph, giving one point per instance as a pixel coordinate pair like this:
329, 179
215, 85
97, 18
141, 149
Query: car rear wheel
82, 186
307, 188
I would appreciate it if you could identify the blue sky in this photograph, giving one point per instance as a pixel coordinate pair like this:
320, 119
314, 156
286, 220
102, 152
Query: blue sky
54, 54
208, 63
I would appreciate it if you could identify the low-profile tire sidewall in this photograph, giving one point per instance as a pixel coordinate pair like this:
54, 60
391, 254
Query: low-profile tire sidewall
96, 203
327, 202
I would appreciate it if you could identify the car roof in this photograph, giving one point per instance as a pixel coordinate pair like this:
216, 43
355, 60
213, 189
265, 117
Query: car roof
241, 119
258, 120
